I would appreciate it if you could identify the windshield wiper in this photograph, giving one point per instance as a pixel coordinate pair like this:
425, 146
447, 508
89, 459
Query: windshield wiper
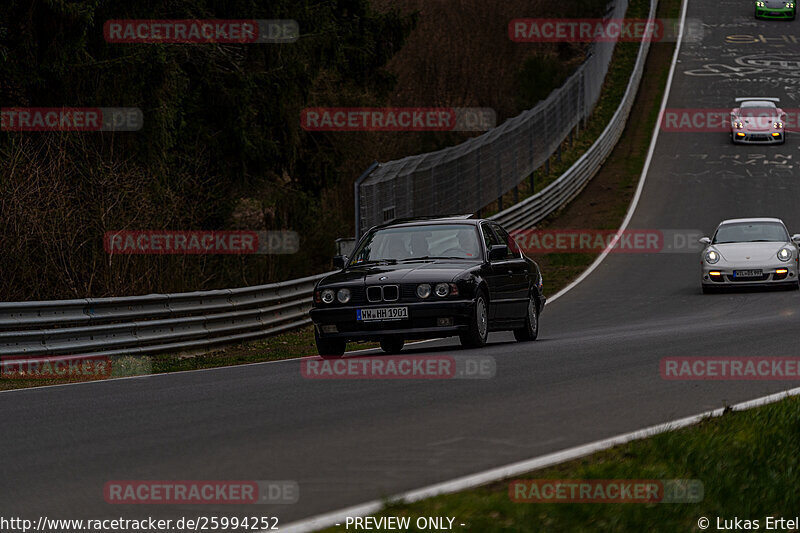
376, 262
430, 258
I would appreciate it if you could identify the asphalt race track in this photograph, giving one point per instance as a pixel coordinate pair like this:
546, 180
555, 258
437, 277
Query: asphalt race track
593, 374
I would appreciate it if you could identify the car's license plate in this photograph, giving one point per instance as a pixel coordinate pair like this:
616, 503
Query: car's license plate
382, 313
747, 273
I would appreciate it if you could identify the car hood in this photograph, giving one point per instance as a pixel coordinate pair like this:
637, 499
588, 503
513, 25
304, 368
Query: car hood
419, 272
749, 251
775, 4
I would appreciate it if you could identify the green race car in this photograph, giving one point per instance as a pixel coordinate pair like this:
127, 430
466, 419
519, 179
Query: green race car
775, 9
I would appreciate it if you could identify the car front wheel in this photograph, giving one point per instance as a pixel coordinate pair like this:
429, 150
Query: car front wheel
391, 344
531, 329
478, 325
329, 347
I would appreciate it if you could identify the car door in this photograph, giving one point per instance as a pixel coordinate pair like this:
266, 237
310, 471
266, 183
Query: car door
516, 283
494, 277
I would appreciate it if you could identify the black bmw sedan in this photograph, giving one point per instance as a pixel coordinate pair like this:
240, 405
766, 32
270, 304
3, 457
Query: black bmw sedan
428, 278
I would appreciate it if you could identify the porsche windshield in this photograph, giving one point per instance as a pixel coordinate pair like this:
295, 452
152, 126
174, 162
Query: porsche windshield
408, 243
751, 232
758, 109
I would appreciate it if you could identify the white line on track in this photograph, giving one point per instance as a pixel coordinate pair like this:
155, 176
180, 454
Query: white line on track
522, 467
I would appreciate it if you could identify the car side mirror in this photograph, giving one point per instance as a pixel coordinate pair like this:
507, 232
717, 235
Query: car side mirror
705, 240
339, 261
498, 251
796, 238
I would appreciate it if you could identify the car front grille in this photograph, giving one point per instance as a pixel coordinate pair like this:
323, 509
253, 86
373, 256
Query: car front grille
391, 293
383, 293
408, 292
374, 294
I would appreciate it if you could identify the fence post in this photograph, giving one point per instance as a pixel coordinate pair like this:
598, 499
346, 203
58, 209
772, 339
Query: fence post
356, 187
499, 182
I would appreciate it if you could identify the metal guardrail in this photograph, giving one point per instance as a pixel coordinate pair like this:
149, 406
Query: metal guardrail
197, 321
155, 322
535, 208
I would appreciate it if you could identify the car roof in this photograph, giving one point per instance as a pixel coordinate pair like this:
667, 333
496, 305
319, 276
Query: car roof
757, 103
745, 220
421, 221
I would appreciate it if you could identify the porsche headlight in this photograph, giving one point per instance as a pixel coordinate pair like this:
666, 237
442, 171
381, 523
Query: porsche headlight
785, 253
712, 256
759, 4
738, 125
423, 290
777, 124
790, 5
327, 296
343, 296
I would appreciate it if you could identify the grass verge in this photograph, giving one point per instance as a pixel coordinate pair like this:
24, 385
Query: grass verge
745, 460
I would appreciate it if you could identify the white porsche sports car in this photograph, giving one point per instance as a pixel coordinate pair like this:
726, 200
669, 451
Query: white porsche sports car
750, 251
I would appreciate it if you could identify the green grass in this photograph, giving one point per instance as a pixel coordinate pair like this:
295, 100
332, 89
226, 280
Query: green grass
747, 461
297, 343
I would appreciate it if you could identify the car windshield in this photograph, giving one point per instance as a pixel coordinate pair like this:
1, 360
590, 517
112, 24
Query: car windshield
758, 112
751, 232
419, 243
756, 108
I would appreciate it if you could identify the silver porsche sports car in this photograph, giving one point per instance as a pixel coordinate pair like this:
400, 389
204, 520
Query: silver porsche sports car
758, 120
750, 251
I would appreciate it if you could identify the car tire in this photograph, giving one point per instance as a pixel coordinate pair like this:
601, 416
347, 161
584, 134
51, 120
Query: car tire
329, 347
531, 329
478, 331
391, 344
709, 290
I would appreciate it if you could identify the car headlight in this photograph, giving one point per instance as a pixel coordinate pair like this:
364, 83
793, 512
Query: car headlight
785, 253
759, 4
327, 296
790, 5
423, 290
777, 124
738, 125
442, 290
712, 256
343, 296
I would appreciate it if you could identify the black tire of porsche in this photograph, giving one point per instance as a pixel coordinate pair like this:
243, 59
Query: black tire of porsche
478, 325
